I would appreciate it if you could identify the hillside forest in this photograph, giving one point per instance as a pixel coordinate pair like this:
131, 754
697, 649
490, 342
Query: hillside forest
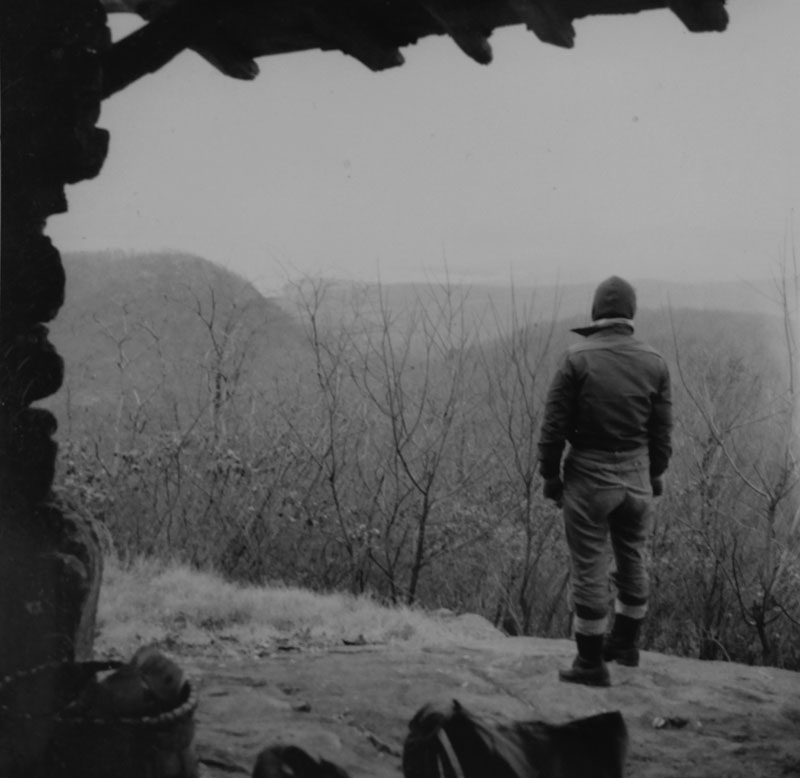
382, 441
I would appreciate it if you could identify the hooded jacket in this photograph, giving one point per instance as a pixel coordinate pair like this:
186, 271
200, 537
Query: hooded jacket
611, 392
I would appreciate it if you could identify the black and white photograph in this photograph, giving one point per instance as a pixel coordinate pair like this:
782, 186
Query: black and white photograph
399, 389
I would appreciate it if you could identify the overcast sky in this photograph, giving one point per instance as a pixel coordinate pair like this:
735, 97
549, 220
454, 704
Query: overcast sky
646, 151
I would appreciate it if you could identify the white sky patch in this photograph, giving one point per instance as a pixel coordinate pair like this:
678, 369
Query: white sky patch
646, 150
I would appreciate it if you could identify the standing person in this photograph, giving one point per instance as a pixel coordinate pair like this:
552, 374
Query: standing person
610, 400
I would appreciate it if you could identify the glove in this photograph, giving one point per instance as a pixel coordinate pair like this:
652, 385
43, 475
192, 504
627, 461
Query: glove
657, 485
553, 490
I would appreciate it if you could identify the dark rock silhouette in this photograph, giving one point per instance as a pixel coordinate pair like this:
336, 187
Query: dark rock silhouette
293, 762
50, 558
231, 34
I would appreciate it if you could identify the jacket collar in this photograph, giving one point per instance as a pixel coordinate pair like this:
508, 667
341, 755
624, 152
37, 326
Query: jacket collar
604, 324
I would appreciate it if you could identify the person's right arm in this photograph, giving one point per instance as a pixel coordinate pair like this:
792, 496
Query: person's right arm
558, 420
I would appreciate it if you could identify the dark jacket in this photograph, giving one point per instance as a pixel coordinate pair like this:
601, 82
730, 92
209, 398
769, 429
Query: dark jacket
610, 393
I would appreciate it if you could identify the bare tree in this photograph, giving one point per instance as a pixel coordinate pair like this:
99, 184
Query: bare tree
740, 510
516, 369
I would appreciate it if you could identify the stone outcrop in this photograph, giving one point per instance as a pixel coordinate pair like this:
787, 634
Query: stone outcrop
50, 558
232, 34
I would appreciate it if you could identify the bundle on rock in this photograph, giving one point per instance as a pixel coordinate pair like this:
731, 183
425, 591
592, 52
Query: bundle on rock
99, 720
452, 742
293, 762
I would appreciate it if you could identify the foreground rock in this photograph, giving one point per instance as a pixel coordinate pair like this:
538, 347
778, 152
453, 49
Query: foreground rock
351, 705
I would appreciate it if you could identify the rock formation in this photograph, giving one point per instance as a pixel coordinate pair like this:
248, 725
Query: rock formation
49, 555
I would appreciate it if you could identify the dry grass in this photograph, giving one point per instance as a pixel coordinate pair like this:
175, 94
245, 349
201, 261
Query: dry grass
168, 603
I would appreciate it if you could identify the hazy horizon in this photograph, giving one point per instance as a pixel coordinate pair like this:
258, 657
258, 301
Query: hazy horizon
646, 151
565, 299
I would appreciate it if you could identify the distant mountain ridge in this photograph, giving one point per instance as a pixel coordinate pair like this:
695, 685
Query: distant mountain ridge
490, 310
132, 323
568, 300
163, 327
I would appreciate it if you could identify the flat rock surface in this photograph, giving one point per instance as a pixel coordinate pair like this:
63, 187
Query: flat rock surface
351, 704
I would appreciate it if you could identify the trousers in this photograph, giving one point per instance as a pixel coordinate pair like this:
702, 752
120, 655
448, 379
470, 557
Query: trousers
607, 495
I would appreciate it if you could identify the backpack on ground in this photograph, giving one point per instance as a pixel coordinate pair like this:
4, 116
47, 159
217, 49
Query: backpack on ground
452, 742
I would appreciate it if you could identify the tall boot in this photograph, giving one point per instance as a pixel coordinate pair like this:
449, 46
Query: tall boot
621, 645
588, 667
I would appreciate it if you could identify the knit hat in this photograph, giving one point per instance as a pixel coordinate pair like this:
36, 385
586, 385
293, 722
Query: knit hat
615, 298
614, 303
